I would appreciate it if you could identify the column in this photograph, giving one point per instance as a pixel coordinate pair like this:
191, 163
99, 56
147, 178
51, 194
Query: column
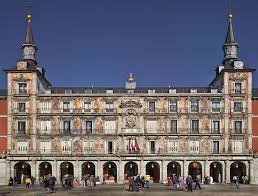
76, 168
79, 165
120, 172
227, 171
142, 168
164, 170
9, 170
56, 171
185, 169
207, 168
33, 168
99, 170
223, 172
37, 171
252, 173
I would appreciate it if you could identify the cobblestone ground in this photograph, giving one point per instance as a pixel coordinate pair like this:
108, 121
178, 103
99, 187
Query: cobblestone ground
116, 190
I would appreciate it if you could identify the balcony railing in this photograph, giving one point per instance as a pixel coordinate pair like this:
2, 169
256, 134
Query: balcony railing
21, 92
238, 92
66, 111
21, 110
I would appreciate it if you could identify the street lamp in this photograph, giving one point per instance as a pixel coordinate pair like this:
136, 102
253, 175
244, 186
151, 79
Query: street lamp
46, 165
214, 165
152, 166
67, 166
131, 165
88, 165
236, 165
109, 166
173, 165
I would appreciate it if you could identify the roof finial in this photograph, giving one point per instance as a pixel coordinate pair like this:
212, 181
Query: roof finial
230, 16
130, 77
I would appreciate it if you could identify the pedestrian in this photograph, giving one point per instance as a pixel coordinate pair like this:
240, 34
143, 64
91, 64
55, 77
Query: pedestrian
189, 182
27, 182
197, 182
10, 182
246, 179
130, 184
91, 180
237, 182
52, 181
143, 181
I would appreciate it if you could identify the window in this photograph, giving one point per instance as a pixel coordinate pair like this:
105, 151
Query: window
151, 91
173, 106
66, 106
67, 127
152, 126
194, 147
45, 107
152, 147
45, 146
45, 127
215, 126
110, 126
66, 146
87, 106
88, 146
238, 126
173, 126
194, 106
238, 87
172, 146
238, 106
21, 107
215, 106
68, 91
22, 147
88, 91
22, 88
109, 107
193, 90
215, 147
21, 126
110, 147
237, 146
88, 126
195, 126
172, 91
151, 106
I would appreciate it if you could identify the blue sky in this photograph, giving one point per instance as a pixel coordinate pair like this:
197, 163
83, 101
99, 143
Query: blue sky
99, 42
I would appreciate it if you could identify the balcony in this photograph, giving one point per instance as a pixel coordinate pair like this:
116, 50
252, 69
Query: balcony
238, 92
109, 110
20, 110
23, 92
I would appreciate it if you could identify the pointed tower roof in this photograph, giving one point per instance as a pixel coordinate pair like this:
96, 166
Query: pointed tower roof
230, 39
29, 35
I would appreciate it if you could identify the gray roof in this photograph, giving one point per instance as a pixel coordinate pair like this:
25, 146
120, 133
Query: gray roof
3, 92
29, 36
230, 39
117, 90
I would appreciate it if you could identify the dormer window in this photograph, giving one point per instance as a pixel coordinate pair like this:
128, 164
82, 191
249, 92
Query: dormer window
22, 88
110, 92
214, 91
68, 91
172, 91
193, 91
151, 91
88, 91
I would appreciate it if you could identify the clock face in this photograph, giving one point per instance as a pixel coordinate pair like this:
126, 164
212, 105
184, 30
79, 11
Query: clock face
238, 64
29, 51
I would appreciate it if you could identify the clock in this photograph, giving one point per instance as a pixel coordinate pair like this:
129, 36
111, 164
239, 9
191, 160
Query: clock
238, 64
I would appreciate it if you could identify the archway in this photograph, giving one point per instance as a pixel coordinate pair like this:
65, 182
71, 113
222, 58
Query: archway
153, 169
21, 170
195, 169
173, 168
45, 168
216, 171
110, 172
131, 169
88, 168
66, 169
237, 168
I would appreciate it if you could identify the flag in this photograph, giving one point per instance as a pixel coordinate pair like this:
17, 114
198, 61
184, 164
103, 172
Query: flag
136, 146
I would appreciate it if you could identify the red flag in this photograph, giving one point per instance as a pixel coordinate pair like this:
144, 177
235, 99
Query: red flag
136, 146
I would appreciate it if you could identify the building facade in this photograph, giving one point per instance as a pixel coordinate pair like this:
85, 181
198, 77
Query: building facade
3, 133
114, 133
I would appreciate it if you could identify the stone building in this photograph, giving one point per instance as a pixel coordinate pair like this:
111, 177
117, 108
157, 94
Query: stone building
114, 133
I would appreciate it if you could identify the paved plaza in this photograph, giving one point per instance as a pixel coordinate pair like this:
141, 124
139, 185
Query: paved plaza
115, 190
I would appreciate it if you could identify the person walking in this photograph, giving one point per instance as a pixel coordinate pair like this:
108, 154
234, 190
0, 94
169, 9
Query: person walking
189, 182
237, 182
52, 182
197, 182
27, 182
130, 184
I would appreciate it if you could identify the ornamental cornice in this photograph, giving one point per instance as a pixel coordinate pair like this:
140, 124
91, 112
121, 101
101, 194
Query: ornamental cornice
109, 99
21, 78
130, 104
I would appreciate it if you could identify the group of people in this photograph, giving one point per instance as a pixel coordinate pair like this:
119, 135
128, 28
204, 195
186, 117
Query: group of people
48, 182
88, 180
28, 180
137, 182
